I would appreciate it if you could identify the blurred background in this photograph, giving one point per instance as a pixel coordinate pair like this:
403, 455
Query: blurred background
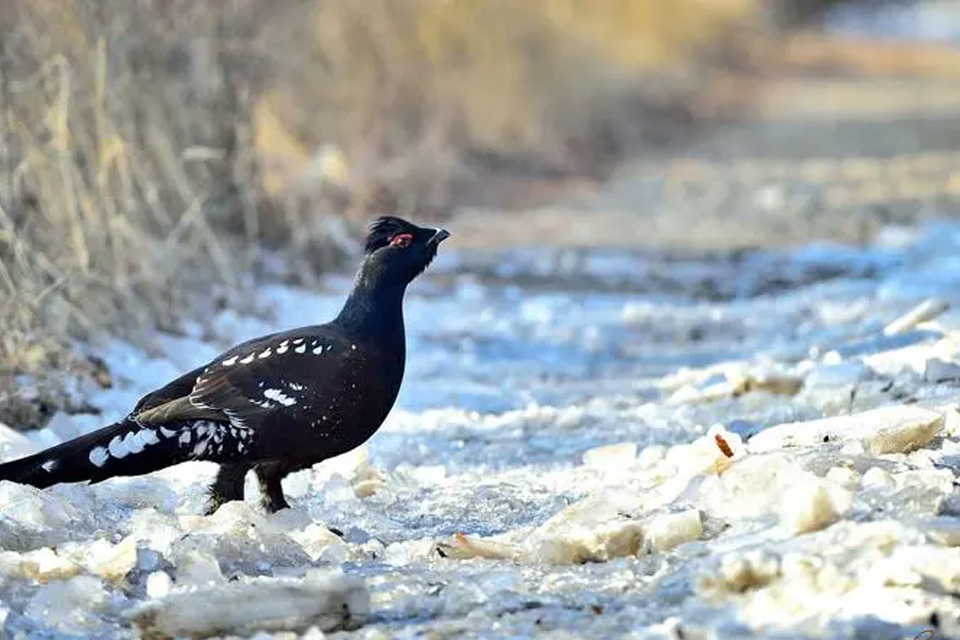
159, 158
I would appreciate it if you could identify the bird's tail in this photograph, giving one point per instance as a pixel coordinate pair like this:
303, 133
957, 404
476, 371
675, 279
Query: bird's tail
124, 448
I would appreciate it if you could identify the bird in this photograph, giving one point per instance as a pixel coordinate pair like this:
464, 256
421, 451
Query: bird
275, 404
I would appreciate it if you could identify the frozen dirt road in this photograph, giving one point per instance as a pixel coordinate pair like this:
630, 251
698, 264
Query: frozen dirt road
559, 411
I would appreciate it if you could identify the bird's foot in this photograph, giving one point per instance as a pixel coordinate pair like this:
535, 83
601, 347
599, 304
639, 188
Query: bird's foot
227, 487
214, 502
272, 504
335, 531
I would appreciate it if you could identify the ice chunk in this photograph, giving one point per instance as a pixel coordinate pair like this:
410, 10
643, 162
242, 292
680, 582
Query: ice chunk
844, 477
830, 387
157, 531
138, 492
896, 429
651, 455
733, 384
752, 487
328, 601
317, 540
578, 544
149, 560
116, 561
877, 477
70, 606
14, 444
668, 530
404, 553
159, 584
945, 531
595, 529
366, 479
611, 456
242, 539
46, 564
936, 370
42, 565
738, 572
34, 518
195, 568
809, 506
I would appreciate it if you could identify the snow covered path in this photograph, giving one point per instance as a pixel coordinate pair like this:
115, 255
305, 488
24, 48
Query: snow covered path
552, 468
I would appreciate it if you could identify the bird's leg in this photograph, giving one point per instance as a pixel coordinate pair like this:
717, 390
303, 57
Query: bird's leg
227, 486
271, 490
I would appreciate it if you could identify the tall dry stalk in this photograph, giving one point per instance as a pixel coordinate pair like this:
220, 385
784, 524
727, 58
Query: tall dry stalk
107, 216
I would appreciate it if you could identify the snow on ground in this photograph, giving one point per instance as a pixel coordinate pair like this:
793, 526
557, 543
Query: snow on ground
587, 444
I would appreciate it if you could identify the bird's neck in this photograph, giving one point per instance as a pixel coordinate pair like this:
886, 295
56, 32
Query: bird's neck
374, 310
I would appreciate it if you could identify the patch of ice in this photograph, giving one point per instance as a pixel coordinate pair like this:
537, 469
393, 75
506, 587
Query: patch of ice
328, 601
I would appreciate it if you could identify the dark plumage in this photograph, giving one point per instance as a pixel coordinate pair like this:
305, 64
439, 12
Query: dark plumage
274, 404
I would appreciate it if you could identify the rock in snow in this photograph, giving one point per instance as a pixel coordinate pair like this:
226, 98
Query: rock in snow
326, 600
898, 429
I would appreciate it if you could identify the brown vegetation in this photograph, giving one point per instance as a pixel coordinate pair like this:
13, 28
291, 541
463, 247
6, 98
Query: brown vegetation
150, 147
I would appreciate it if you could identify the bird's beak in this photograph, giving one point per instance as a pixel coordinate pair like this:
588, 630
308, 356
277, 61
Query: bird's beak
438, 237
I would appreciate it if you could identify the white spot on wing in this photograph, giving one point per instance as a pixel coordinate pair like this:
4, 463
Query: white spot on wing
318, 350
298, 341
117, 448
282, 349
50, 465
301, 349
265, 353
214, 438
167, 433
247, 360
133, 443
230, 361
99, 456
277, 394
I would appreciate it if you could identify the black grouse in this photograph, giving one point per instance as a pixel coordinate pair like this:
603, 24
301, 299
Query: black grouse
275, 404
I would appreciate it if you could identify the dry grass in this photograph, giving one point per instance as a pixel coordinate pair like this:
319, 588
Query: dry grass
116, 168
423, 94
150, 146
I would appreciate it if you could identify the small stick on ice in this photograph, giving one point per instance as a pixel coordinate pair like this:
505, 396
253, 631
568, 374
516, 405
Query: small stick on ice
462, 547
724, 447
926, 310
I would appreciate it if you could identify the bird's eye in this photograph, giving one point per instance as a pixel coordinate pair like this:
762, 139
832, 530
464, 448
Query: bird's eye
401, 240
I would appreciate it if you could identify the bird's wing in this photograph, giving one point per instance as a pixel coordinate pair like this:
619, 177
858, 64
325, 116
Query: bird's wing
176, 389
182, 386
250, 382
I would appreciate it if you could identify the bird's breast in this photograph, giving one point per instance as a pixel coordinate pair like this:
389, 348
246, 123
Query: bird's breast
339, 413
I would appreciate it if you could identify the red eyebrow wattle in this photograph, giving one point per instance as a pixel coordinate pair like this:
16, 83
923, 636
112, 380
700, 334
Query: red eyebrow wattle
400, 237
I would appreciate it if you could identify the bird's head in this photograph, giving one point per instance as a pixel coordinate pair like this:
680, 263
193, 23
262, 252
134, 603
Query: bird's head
398, 251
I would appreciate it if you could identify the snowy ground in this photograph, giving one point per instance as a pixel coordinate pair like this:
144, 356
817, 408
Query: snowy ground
552, 468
